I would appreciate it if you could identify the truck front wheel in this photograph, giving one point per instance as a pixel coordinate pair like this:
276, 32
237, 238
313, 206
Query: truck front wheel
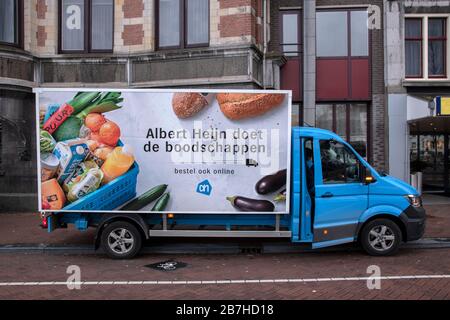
381, 237
121, 240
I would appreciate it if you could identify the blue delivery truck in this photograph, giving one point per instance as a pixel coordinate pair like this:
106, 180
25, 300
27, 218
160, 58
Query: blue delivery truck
334, 196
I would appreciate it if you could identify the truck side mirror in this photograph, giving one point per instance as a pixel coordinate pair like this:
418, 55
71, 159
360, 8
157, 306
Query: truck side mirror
368, 177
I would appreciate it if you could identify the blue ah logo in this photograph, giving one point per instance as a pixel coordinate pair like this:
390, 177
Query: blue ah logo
204, 187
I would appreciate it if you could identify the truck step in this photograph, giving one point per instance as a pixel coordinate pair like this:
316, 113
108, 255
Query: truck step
220, 233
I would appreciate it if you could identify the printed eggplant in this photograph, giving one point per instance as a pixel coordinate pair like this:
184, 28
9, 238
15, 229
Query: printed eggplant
271, 183
247, 204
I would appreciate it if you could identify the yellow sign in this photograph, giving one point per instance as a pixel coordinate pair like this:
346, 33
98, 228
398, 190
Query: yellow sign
445, 105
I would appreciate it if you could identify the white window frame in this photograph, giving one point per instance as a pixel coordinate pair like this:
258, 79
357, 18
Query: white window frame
425, 18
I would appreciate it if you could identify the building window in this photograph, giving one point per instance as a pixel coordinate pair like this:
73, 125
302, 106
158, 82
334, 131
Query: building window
349, 121
332, 44
426, 47
413, 47
291, 33
102, 17
191, 29
359, 34
11, 12
290, 46
86, 26
343, 55
349, 33
437, 42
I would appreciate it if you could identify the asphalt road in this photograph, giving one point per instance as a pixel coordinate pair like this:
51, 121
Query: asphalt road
411, 274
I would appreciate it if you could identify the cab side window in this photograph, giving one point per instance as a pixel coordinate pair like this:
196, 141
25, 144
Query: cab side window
309, 164
339, 164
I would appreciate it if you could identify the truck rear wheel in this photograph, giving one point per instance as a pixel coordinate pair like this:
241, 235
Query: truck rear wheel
121, 240
381, 237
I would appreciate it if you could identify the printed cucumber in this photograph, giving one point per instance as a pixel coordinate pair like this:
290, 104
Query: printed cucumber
145, 198
161, 204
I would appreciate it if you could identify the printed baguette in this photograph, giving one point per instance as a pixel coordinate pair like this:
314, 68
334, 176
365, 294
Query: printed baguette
237, 106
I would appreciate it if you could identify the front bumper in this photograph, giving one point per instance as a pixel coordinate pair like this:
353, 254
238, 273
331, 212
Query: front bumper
415, 220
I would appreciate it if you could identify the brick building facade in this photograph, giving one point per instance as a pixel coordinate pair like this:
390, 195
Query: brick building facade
187, 43
327, 83
418, 91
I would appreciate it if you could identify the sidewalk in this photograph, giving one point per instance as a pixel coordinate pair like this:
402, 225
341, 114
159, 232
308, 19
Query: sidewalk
438, 214
24, 229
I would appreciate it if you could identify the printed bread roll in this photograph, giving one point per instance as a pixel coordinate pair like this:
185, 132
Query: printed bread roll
236, 106
186, 105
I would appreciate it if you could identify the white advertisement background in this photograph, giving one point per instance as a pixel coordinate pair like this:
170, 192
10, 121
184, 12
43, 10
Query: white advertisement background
142, 111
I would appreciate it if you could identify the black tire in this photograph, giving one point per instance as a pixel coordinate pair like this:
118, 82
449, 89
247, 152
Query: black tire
381, 237
121, 240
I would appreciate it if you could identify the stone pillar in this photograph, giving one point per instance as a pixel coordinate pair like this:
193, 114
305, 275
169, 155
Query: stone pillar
397, 102
309, 62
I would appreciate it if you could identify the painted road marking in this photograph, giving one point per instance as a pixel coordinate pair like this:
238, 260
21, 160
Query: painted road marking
216, 282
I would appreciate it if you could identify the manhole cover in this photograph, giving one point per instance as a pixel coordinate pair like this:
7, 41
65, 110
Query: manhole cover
167, 265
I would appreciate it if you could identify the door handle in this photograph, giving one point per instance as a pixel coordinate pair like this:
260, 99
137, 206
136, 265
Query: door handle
327, 195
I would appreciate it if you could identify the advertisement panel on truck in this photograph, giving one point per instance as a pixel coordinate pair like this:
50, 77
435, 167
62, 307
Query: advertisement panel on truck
176, 151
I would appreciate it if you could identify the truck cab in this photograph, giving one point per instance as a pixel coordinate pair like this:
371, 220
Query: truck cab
337, 197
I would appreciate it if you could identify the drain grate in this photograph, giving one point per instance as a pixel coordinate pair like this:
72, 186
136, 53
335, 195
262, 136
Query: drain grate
251, 250
167, 265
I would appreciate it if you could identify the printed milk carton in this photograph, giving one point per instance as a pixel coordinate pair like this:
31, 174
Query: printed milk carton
70, 154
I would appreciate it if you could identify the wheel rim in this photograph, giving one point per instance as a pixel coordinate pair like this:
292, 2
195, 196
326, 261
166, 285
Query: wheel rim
381, 238
120, 241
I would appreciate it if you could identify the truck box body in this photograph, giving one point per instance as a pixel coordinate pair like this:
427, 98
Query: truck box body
203, 158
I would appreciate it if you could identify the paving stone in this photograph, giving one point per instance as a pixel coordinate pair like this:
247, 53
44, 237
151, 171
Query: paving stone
21, 267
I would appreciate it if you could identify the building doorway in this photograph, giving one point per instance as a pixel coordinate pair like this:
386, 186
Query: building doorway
429, 153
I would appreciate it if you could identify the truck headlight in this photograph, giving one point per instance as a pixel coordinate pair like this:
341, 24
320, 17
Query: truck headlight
415, 201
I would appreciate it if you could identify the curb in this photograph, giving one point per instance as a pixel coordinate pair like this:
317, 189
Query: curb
428, 243
221, 248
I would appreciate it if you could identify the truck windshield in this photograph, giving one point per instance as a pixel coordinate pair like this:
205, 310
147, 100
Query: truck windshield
339, 163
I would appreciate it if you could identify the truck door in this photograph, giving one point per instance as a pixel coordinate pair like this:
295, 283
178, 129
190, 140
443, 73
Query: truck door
341, 195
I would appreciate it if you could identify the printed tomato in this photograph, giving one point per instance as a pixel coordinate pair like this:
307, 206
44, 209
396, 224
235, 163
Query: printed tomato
109, 133
94, 121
